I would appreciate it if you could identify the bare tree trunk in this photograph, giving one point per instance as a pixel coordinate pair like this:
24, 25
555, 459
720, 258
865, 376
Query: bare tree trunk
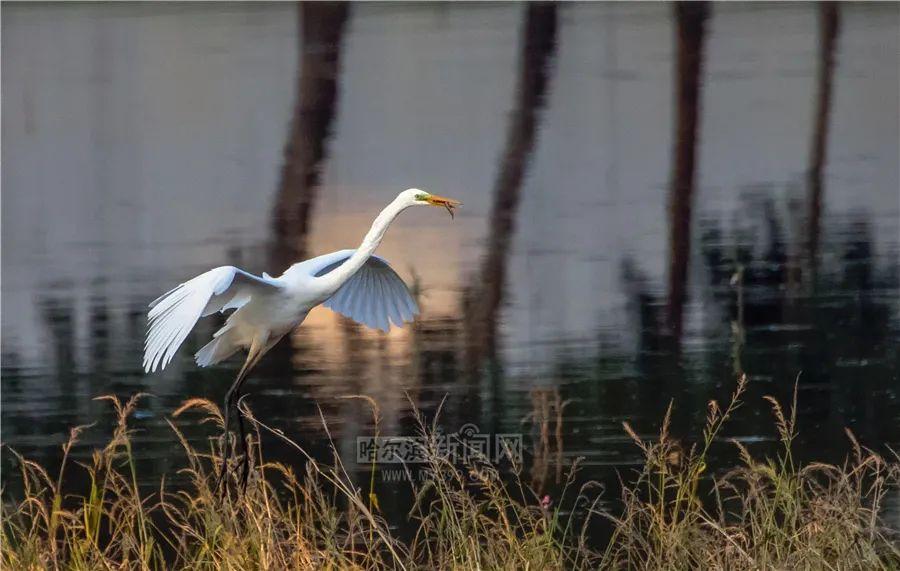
829, 26
486, 294
322, 27
690, 20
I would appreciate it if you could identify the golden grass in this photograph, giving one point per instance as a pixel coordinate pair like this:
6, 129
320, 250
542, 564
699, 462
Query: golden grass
768, 514
764, 514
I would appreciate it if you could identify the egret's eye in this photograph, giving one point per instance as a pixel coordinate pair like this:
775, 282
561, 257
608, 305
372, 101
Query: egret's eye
422, 196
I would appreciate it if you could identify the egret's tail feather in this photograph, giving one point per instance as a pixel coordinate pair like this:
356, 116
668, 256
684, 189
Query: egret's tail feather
172, 316
217, 350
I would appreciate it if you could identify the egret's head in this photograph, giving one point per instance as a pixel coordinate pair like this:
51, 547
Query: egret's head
417, 197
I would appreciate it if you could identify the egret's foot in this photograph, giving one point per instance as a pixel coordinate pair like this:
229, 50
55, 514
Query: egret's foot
245, 473
222, 480
221, 484
245, 460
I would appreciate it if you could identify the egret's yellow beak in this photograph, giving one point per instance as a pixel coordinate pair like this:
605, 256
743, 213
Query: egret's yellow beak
448, 203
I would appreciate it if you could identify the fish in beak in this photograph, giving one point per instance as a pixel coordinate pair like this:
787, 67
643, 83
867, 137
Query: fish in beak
448, 203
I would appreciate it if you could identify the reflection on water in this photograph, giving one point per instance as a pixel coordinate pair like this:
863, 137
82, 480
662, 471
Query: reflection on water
322, 26
690, 37
146, 143
829, 22
481, 304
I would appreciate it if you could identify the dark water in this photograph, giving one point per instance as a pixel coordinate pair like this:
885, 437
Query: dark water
143, 144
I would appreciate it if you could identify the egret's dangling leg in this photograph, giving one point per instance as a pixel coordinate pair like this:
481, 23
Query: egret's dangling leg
226, 444
245, 464
257, 350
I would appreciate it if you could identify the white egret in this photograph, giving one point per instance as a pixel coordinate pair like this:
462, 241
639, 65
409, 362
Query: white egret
354, 283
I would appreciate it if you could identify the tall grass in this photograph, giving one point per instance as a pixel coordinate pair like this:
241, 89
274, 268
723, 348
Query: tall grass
763, 514
283, 520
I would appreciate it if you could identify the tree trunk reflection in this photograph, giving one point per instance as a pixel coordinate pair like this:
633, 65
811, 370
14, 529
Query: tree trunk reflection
486, 294
321, 29
829, 22
690, 21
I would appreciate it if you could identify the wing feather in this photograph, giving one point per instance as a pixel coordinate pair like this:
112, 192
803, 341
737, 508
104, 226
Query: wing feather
173, 315
351, 297
370, 301
386, 304
402, 307
381, 314
394, 302
374, 296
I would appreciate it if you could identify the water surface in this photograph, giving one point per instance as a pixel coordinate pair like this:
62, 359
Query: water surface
143, 144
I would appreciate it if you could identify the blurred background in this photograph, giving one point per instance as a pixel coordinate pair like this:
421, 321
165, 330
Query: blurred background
657, 200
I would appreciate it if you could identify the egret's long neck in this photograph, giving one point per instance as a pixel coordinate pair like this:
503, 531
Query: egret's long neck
372, 239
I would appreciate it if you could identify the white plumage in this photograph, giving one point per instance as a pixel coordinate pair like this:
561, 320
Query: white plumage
355, 283
374, 296
173, 315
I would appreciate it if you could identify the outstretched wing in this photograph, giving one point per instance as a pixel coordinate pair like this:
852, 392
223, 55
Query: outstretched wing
375, 296
173, 315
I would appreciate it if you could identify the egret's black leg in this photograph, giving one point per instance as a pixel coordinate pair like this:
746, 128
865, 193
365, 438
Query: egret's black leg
256, 352
226, 448
229, 403
245, 464
257, 349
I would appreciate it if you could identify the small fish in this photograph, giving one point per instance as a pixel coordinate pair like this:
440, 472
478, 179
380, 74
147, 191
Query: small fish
447, 203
